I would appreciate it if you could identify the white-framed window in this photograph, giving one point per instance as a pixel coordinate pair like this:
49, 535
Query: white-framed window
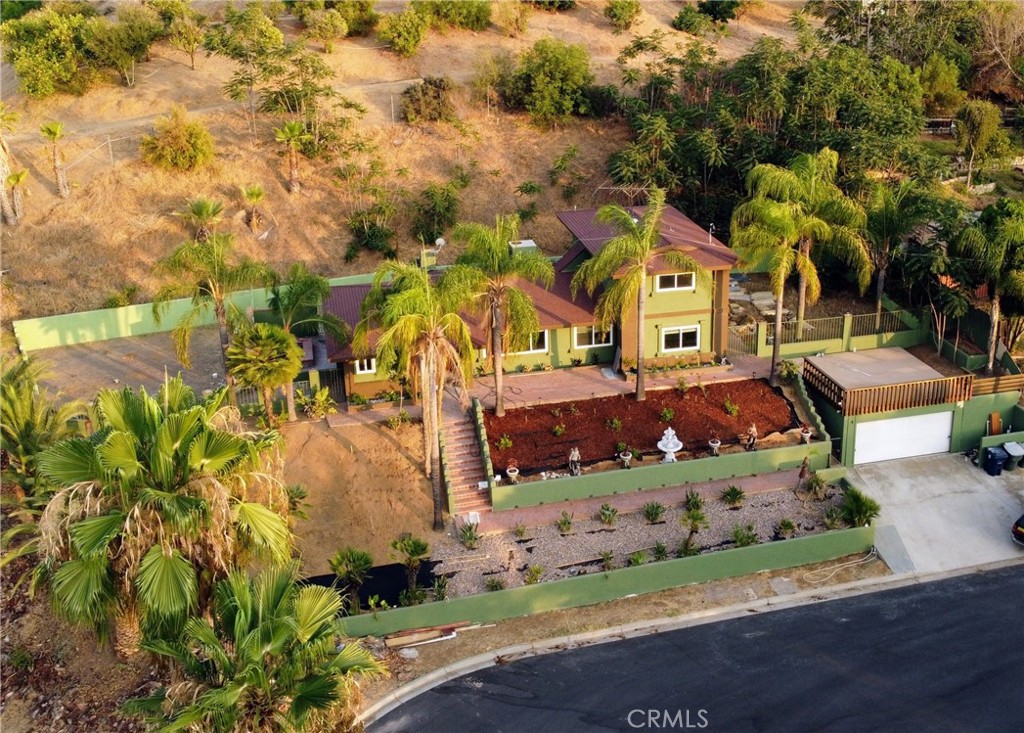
676, 281
589, 337
680, 338
366, 366
538, 343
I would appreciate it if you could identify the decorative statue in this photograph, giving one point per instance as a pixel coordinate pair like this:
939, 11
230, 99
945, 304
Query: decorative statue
751, 437
574, 461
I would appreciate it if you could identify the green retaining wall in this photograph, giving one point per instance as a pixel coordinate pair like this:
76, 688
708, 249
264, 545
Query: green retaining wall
598, 587
85, 327
970, 362
660, 475
481, 437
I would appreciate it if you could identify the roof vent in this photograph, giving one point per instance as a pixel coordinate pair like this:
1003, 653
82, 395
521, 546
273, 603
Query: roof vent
523, 245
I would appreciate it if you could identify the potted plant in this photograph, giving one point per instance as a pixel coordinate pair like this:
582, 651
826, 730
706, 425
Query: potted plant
512, 471
714, 444
805, 432
626, 456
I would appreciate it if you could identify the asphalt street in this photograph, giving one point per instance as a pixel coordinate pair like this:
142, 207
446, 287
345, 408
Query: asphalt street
940, 656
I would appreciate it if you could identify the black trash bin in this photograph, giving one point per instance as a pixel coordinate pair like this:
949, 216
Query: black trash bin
995, 458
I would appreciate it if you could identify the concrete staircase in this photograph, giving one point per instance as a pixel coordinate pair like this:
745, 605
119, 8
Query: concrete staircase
465, 466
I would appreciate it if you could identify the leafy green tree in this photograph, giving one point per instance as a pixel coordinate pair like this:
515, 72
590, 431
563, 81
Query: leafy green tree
204, 272
326, 26
202, 213
292, 135
647, 161
429, 101
248, 37
266, 357
622, 267
720, 11
352, 566
979, 133
490, 270
53, 132
825, 216
473, 15
359, 16
14, 9
622, 13
995, 244
436, 211
187, 34
403, 32
297, 303
122, 44
940, 81
943, 281
166, 498
413, 552
268, 660
550, 82
47, 49
421, 335
178, 143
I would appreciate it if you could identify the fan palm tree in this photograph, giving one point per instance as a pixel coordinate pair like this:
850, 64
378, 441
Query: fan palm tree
893, 213
253, 196
996, 245
7, 122
829, 218
352, 566
421, 335
202, 213
489, 268
297, 301
17, 183
54, 133
292, 135
413, 551
162, 501
693, 520
623, 265
204, 273
264, 356
268, 661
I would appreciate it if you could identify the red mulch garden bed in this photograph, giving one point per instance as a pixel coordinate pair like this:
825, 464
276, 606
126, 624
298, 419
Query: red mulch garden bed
587, 424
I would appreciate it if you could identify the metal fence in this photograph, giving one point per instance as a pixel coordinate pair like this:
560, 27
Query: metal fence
743, 339
869, 324
334, 380
815, 329
252, 396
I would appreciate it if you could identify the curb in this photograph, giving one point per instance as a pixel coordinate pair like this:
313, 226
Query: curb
439, 676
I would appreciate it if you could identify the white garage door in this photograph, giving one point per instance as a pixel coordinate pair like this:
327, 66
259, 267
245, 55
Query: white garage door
903, 437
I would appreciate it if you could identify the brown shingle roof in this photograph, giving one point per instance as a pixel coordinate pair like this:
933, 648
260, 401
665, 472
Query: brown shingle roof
344, 302
678, 231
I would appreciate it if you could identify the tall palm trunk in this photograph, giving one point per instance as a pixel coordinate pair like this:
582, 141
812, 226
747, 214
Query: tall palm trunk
993, 335
772, 375
970, 167
7, 210
497, 328
127, 631
435, 444
18, 204
428, 426
289, 400
268, 405
879, 290
60, 173
225, 341
293, 171
801, 302
641, 311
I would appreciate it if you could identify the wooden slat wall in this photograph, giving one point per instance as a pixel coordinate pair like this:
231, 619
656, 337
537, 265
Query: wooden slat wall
993, 385
817, 379
907, 395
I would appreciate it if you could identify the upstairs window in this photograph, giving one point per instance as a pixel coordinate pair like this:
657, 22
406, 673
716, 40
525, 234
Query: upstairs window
676, 281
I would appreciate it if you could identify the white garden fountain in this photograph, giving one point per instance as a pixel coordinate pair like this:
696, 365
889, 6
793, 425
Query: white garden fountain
668, 445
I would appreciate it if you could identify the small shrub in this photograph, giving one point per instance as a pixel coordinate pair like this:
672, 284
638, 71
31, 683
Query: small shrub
607, 560
430, 101
816, 485
399, 421
702, 387
607, 514
533, 574
357, 399
690, 20
620, 447
556, 412
504, 442
21, 659
177, 143
637, 558
326, 26
472, 15
494, 584
667, 414
512, 18
413, 597
622, 13
576, 361
441, 588
788, 371
693, 502
653, 512
628, 364
833, 517
520, 531
573, 410
403, 32
553, 6
436, 211
614, 424
731, 408
660, 552
719, 10
786, 527
744, 536
359, 16
858, 509
558, 430
469, 535
683, 384
733, 496
564, 523
123, 297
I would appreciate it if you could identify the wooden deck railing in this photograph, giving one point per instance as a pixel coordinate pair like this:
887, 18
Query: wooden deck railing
907, 395
817, 379
993, 385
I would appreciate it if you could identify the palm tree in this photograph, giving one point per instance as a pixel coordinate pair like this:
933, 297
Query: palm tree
7, 122
996, 245
421, 335
413, 551
693, 520
161, 502
352, 566
267, 661
253, 196
202, 213
829, 218
893, 213
296, 301
292, 135
203, 272
54, 133
17, 183
490, 269
623, 265
264, 356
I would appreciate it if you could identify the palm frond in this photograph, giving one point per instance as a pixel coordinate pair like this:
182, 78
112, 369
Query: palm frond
167, 584
265, 530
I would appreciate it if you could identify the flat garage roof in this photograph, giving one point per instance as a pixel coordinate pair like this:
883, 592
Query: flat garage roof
873, 368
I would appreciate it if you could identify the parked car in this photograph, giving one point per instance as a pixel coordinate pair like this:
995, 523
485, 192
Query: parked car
1018, 531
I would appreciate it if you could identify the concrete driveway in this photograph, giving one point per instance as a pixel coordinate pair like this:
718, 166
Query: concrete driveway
942, 512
